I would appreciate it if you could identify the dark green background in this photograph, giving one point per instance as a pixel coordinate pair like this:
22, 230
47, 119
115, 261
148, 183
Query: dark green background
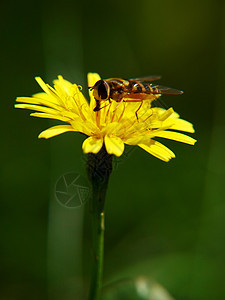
163, 220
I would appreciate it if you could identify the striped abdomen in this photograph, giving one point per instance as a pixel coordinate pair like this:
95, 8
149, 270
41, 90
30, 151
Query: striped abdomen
138, 87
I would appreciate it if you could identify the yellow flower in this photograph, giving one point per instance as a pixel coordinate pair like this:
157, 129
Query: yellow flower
114, 125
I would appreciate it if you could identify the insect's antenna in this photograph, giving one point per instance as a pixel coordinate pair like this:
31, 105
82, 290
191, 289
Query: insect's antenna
90, 88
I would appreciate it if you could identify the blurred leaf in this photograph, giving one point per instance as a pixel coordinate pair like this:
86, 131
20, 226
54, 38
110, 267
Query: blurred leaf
141, 288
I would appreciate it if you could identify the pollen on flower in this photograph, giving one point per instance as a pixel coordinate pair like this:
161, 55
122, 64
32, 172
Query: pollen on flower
112, 126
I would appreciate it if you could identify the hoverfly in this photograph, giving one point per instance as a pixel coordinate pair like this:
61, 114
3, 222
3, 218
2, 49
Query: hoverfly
129, 90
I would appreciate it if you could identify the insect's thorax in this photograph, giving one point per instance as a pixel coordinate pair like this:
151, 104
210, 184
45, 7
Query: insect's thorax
117, 88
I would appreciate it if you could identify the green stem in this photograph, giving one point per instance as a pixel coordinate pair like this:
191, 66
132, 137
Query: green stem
98, 237
99, 167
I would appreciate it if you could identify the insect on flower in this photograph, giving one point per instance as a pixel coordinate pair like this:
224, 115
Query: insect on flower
129, 90
112, 127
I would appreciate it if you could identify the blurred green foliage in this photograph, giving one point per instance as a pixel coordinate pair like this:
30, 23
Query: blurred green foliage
163, 220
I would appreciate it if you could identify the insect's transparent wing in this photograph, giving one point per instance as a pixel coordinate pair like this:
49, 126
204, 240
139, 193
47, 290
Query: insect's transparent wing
165, 90
146, 79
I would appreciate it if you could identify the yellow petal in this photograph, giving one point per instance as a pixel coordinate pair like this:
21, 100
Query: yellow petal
49, 116
112, 129
136, 139
176, 136
38, 108
61, 85
86, 127
92, 145
49, 91
114, 145
44, 86
82, 104
43, 96
92, 79
55, 130
166, 114
182, 125
36, 100
158, 150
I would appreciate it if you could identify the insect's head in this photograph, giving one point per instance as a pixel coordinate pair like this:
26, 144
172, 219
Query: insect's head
101, 90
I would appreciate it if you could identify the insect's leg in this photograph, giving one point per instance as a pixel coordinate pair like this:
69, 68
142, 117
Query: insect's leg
119, 102
98, 104
138, 109
135, 100
103, 106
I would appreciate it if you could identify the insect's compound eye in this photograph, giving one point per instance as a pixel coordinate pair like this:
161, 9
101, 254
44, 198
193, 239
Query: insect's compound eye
101, 88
